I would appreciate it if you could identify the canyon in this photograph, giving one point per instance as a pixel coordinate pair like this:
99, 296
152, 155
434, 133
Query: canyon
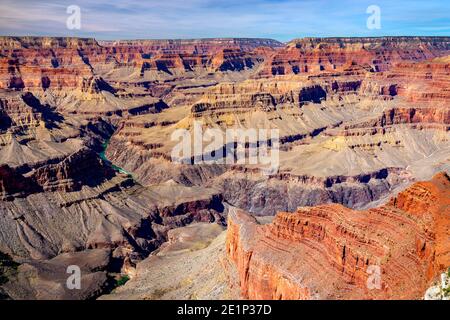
87, 178
325, 252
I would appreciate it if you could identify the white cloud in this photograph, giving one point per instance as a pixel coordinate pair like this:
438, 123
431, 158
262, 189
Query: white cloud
221, 18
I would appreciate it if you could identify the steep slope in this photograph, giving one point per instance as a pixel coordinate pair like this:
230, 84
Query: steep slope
194, 257
331, 252
311, 55
359, 119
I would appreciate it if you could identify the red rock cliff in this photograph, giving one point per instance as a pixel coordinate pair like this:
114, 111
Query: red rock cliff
313, 55
330, 252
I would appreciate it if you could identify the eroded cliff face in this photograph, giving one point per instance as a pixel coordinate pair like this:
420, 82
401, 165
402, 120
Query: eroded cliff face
359, 119
330, 252
312, 55
334, 127
40, 63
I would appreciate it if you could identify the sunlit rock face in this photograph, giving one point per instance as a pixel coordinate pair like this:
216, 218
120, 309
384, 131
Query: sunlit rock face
86, 138
330, 252
315, 55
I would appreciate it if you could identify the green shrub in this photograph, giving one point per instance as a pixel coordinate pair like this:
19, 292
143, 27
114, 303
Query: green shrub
122, 280
446, 292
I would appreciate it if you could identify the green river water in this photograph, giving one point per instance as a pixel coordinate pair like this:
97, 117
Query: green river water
103, 157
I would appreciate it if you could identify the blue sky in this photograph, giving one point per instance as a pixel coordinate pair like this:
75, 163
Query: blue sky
279, 19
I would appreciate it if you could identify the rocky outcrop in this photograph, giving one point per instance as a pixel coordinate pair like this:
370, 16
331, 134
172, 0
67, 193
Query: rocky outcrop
441, 290
285, 192
194, 257
41, 63
47, 280
72, 173
423, 82
16, 112
172, 57
416, 117
331, 252
358, 119
225, 60
13, 184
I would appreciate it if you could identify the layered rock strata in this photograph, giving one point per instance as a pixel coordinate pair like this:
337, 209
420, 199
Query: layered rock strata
331, 252
358, 119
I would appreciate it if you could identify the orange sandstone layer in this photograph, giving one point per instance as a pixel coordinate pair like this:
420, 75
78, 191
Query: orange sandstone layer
332, 252
315, 55
41, 63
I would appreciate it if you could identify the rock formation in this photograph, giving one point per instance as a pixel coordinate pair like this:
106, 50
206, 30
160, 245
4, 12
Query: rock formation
312, 55
332, 252
194, 257
85, 140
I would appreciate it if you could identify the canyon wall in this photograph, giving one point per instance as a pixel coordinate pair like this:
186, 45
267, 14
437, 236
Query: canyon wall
312, 55
331, 252
86, 139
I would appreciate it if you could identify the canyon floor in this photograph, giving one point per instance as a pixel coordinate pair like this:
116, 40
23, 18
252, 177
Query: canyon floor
88, 176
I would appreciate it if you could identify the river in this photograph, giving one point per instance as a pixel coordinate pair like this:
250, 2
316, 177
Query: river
104, 158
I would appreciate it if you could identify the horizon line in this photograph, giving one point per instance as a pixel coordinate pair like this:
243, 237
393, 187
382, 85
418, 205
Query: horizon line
226, 38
